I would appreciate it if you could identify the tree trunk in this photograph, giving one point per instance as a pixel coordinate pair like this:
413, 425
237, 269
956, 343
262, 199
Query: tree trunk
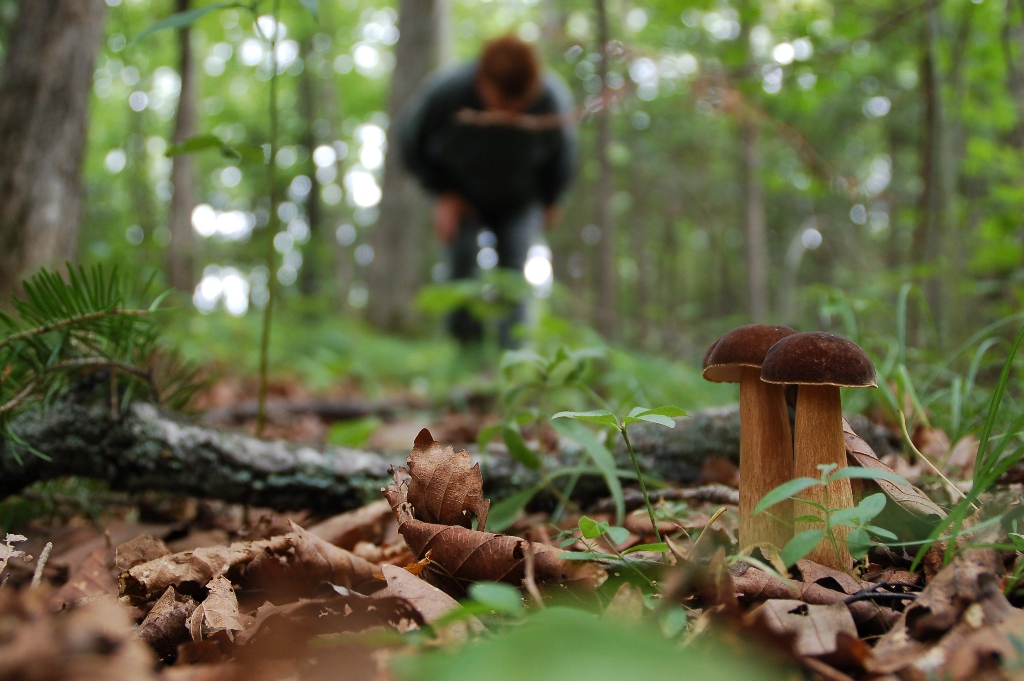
607, 279
638, 239
44, 97
754, 228
398, 237
309, 280
926, 248
181, 251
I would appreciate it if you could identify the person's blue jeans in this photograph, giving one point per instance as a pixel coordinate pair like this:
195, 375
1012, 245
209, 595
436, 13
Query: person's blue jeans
514, 234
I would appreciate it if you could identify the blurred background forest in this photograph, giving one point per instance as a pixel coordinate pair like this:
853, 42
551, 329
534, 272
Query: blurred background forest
797, 161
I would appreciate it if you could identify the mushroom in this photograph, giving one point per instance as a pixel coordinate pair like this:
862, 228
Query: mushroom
820, 363
766, 443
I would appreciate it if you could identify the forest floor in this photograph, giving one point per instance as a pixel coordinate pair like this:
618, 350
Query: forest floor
152, 586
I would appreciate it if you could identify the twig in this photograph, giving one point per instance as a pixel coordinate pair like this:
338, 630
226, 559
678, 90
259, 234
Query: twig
906, 434
693, 548
531, 583
37, 576
64, 323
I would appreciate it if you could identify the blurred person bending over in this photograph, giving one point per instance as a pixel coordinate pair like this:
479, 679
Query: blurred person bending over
495, 141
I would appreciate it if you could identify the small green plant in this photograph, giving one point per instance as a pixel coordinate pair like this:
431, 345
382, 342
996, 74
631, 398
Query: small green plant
858, 518
534, 383
660, 415
591, 530
267, 155
62, 329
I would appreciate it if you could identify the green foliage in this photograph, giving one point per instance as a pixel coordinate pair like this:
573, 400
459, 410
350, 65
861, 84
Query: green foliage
565, 644
65, 328
353, 433
858, 518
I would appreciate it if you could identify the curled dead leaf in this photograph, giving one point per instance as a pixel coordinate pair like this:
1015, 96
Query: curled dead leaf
219, 612
167, 624
445, 486
460, 556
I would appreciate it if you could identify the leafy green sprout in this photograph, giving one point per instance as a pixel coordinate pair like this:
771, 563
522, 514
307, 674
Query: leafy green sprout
661, 415
858, 518
182, 20
534, 383
612, 535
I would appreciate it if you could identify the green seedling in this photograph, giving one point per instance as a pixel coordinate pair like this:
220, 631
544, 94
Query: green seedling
858, 540
660, 415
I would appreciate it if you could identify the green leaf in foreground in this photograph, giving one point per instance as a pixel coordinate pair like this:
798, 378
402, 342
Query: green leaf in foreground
518, 449
505, 512
591, 529
660, 547
867, 474
186, 18
785, 491
605, 418
194, 144
800, 545
563, 644
499, 597
602, 458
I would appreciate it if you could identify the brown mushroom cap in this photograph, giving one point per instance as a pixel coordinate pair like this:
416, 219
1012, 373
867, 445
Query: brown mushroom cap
745, 346
818, 358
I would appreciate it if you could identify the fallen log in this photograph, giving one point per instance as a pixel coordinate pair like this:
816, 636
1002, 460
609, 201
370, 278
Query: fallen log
148, 448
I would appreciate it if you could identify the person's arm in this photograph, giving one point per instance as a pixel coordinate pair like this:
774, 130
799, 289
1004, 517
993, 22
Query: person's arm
555, 175
421, 118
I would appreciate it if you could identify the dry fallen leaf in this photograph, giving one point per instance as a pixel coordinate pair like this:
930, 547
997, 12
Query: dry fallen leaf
460, 556
367, 524
908, 497
295, 563
753, 585
91, 643
7, 550
815, 626
959, 627
444, 486
219, 612
142, 549
94, 578
166, 625
277, 630
431, 603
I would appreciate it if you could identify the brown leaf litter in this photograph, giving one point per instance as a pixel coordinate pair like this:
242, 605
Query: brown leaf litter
460, 556
297, 562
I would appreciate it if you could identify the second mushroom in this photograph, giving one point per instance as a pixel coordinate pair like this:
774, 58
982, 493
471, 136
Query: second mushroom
820, 363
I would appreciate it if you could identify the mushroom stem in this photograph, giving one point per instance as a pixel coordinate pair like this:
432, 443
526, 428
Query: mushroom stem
766, 459
819, 440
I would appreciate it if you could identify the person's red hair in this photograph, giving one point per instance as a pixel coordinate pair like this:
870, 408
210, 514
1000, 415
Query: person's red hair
511, 66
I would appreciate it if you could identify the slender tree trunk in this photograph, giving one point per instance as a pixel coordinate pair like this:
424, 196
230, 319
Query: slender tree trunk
44, 97
607, 279
926, 248
181, 252
754, 228
398, 237
645, 272
309, 280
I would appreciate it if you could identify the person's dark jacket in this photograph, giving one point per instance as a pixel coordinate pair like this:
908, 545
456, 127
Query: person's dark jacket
498, 169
